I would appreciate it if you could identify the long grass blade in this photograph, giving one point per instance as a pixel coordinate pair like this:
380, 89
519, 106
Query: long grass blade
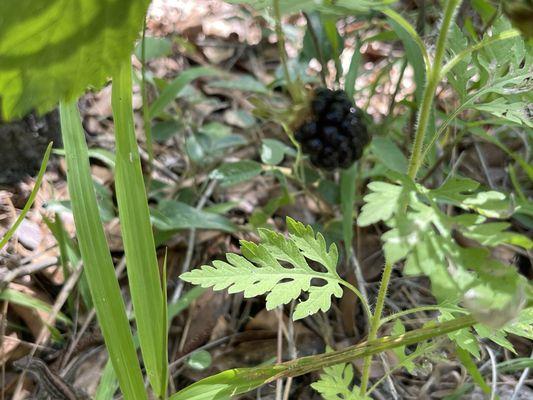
104, 287
141, 259
31, 199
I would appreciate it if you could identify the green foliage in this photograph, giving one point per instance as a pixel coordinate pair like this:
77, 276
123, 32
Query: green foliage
336, 383
337, 7
31, 199
260, 270
173, 89
139, 246
99, 269
498, 66
230, 174
54, 50
423, 234
171, 215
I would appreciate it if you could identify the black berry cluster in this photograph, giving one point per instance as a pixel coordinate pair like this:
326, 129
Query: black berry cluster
335, 134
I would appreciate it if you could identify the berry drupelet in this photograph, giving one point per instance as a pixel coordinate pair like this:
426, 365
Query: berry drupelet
335, 134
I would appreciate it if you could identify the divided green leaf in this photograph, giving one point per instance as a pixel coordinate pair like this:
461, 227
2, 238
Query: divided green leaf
426, 237
336, 383
279, 268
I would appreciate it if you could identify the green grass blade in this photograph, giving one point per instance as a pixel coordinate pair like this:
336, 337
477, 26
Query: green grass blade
353, 71
164, 357
31, 199
108, 383
472, 369
141, 259
99, 268
25, 300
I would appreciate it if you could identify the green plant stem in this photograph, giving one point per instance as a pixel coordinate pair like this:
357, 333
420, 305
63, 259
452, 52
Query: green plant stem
375, 323
429, 91
283, 52
360, 296
371, 347
31, 199
420, 309
236, 381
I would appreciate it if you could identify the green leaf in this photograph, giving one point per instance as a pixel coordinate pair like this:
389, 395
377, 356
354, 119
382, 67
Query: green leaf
273, 151
172, 215
422, 233
398, 329
339, 7
472, 369
164, 130
336, 383
108, 384
99, 268
259, 271
353, 71
380, 203
169, 93
464, 338
24, 300
494, 233
501, 66
415, 50
461, 74
54, 50
31, 199
199, 360
313, 247
139, 246
225, 385
244, 83
518, 112
232, 173
155, 47
389, 154
523, 325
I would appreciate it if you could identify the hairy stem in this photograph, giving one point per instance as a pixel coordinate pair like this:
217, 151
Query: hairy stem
242, 380
429, 91
376, 322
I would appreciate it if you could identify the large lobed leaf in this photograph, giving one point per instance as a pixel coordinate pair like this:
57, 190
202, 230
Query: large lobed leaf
260, 270
52, 50
421, 233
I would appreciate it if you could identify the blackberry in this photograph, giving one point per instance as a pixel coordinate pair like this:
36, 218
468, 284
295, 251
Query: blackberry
335, 133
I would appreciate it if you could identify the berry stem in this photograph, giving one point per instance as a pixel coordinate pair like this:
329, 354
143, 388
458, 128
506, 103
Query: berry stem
429, 91
376, 322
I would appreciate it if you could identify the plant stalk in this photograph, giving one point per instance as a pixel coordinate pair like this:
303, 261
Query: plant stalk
376, 322
429, 91
242, 380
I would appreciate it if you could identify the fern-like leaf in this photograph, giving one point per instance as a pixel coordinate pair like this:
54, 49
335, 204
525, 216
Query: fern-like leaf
278, 267
336, 383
